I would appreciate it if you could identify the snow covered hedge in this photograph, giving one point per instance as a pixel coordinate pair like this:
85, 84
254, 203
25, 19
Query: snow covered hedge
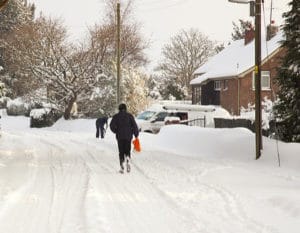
44, 117
3, 101
17, 107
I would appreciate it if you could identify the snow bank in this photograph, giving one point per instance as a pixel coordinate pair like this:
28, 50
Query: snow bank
232, 144
17, 107
206, 142
78, 125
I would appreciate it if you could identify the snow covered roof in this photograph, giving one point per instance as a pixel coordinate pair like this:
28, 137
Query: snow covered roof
235, 59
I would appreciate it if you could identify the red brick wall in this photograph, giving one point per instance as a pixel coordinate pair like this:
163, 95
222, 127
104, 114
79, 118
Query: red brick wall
228, 98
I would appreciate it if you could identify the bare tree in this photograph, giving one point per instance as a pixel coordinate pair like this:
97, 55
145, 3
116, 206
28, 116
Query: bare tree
2, 3
183, 55
14, 14
103, 43
126, 11
133, 45
41, 57
40, 51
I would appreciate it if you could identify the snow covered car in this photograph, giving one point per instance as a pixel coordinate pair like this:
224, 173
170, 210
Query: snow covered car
151, 121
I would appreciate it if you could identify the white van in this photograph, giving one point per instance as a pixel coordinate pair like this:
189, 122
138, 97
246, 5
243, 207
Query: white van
145, 118
153, 118
206, 112
158, 119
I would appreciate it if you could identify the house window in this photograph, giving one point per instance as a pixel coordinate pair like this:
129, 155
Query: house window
265, 80
197, 95
217, 85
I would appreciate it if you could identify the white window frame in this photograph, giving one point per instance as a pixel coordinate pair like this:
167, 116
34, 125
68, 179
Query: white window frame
217, 85
225, 88
265, 75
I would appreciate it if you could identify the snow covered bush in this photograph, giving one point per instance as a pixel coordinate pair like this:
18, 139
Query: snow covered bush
17, 107
44, 117
101, 100
134, 91
3, 101
3, 90
249, 112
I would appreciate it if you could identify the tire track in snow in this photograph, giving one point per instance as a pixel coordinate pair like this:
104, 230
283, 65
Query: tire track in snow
97, 220
233, 210
118, 195
52, 199
188, 216
19, 217
168, 173
71, 181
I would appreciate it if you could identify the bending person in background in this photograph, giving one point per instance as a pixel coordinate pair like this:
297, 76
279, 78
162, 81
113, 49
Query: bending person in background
100, 123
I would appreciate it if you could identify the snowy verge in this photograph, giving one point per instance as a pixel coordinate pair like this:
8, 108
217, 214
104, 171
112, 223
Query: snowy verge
232, 144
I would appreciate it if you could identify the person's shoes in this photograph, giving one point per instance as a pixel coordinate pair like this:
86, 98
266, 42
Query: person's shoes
122, 168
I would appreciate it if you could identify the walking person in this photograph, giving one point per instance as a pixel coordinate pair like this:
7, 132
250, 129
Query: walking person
124, 126
100, 123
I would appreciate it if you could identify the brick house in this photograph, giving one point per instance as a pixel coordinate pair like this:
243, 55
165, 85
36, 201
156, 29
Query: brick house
227, 79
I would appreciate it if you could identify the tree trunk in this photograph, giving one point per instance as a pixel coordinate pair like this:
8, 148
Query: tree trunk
67, 113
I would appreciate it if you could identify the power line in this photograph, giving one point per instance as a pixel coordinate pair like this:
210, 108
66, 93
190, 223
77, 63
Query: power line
161, 7
151, 2
269, 66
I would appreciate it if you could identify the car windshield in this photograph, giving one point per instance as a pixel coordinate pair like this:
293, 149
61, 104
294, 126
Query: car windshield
145, 115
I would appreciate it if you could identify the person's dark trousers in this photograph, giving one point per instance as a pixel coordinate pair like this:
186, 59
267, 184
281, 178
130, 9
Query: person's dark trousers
102, 130
97, 129
124, 149
97, 132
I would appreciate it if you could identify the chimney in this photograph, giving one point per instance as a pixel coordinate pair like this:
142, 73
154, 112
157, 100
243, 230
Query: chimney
271, 30
249, 35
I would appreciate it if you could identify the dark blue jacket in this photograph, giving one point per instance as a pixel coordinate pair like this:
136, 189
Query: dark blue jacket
100, 122
124, 126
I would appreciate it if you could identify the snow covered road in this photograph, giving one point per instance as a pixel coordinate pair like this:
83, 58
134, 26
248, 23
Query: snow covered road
65, 182
73, 186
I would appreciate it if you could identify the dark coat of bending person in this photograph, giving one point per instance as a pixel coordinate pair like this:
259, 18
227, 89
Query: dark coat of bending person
124, 126
100, 123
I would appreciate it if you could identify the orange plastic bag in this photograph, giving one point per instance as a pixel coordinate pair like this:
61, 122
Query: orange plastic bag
136, 145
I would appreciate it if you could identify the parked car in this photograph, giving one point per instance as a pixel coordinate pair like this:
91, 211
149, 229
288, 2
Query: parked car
152, 121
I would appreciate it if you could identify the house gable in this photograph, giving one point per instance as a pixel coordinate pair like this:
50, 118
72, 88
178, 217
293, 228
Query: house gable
239, 92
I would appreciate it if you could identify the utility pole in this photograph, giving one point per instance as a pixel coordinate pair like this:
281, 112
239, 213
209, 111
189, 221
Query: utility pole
118, 54
257, 70
258, 133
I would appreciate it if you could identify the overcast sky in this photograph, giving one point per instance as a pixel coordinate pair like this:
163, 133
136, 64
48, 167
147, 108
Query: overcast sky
161, 19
